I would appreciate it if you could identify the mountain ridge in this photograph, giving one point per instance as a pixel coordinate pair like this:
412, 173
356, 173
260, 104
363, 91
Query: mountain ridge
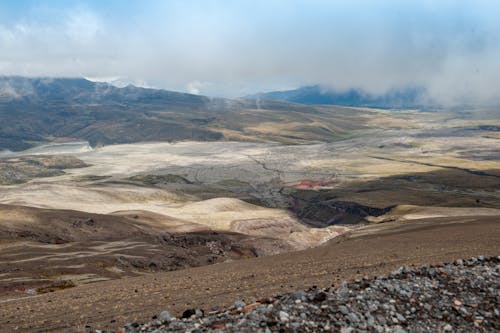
41, 110
410, 97
20, 88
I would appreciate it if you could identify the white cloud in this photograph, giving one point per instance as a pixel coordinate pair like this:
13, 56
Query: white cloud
237, 48
82, 26
196, 87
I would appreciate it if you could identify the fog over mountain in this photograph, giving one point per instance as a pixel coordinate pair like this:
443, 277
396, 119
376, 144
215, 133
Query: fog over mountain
40, 110
392, 99
223, 48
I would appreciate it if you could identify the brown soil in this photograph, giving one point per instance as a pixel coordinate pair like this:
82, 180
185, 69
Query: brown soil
370, 250
41, 249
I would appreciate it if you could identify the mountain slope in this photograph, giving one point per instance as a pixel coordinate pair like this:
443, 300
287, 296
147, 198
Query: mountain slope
402, 98
37, 110
34, 110
370, 251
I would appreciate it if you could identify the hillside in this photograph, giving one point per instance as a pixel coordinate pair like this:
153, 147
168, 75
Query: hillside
369, 251
38, 110
318, 193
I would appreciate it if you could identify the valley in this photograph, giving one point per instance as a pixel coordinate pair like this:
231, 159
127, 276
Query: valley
74, 214
110, 186
249, 166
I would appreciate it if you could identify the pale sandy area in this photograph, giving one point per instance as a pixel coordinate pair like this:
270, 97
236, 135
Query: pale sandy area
373, 155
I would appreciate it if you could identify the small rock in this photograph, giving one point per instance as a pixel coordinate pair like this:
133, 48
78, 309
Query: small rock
320, 297
284, 316
218, 326
381, 320
299, 295
165, 317
353, 318
343, 309
400, 318
398, 329
188, 313
250, 307
239, 304
370, 320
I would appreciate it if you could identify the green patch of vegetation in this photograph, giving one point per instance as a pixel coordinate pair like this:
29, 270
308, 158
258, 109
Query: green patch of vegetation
159, 179
232, 183
18, 170
90, 178
8, 182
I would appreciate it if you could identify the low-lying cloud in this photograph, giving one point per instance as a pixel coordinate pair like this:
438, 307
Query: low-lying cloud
229, 48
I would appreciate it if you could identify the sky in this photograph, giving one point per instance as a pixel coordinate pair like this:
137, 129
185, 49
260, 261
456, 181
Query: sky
237, 47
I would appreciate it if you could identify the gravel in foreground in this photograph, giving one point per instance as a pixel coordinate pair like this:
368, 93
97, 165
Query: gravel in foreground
463, 296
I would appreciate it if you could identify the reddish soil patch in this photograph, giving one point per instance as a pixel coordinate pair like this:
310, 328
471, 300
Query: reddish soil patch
312, 184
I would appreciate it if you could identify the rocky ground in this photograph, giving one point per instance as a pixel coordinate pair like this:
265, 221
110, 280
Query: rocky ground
462, 296
367, 251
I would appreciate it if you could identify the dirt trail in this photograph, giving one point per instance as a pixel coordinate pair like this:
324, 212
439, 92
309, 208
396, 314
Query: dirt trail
369, 251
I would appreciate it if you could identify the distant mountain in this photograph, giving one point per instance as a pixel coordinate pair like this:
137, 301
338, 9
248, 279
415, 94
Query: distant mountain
34, 110
78, 90
402, 98
40, 110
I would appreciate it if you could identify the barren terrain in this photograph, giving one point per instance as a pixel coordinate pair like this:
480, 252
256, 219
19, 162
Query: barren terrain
389, 188
370, 250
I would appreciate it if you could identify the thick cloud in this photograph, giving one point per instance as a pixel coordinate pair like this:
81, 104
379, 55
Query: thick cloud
234, 48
